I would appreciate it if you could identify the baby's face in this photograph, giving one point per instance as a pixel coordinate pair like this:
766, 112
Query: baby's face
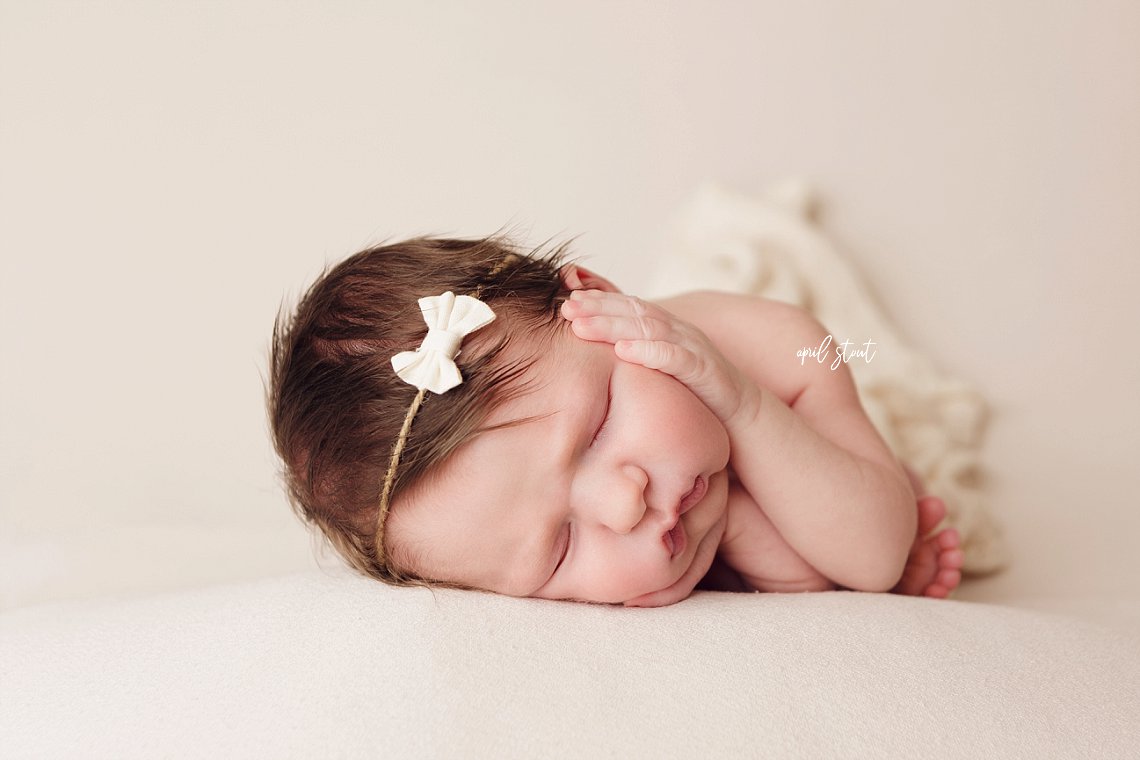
615, 492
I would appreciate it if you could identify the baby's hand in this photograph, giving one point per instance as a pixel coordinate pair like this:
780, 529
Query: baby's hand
646, 334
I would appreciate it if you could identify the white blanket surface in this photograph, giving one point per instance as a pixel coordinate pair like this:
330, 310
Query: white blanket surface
318, 665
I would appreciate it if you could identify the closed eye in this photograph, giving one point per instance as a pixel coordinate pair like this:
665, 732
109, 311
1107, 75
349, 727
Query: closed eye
606, 415
565, 549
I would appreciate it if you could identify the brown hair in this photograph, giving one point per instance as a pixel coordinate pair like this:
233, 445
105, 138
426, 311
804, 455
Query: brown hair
336, 406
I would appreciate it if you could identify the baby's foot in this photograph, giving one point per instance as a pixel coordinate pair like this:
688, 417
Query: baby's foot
934, 567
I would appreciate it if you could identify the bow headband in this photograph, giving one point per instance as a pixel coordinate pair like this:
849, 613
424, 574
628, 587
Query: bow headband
449, 319
431, 367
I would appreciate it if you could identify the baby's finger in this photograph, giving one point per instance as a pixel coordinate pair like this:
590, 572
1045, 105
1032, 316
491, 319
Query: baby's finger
612, 329
591, 302
681, 364
657, 354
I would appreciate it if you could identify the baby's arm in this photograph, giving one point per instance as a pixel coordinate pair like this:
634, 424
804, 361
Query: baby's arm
753, 555
821, 472
758, 553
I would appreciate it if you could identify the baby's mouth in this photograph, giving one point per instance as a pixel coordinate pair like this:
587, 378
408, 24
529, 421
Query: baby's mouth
695, 494
676, 540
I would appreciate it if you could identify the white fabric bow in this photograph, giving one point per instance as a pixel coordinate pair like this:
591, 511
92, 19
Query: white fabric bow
449, 318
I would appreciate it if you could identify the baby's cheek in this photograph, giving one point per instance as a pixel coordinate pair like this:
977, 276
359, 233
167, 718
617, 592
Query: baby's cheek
624, 574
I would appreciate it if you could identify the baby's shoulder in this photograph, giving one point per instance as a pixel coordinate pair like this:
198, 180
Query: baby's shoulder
758, 335
701, 305
732, 318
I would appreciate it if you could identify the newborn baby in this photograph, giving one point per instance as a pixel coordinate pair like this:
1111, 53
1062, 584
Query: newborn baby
468, 414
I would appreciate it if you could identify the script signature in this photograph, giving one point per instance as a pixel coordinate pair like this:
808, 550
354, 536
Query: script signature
844, 352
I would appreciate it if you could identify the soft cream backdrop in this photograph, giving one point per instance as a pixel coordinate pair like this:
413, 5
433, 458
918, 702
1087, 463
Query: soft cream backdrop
168, 171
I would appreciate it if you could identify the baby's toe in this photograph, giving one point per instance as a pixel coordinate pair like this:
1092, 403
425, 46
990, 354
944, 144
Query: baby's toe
948, 579
952, 559
948, 539
931, 510
936, 591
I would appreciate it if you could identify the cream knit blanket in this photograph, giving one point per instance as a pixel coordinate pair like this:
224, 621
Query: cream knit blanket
770, 246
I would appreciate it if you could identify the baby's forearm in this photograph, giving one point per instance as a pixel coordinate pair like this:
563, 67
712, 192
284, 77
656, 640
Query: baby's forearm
850, 517
755, 551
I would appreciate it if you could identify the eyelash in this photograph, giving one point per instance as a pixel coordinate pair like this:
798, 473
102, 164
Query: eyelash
597, 434
565, 551
606, 416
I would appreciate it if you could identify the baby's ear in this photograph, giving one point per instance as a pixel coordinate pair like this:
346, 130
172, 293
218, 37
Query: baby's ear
575, 277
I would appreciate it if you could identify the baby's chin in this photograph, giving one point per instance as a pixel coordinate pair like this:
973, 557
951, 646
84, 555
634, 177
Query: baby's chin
702, 560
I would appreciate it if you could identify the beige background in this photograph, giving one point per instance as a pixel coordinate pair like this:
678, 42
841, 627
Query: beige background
168, 172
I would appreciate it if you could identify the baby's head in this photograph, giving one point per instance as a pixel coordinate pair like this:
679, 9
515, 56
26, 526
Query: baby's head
553, 469
336, 406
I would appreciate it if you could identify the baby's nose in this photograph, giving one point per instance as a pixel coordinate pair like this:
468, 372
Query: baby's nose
626, 503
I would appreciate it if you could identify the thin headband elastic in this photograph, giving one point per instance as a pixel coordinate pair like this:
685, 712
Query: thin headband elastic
431, 367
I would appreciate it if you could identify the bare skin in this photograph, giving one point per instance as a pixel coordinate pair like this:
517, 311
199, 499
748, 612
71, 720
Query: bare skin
933, 567
722, 369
